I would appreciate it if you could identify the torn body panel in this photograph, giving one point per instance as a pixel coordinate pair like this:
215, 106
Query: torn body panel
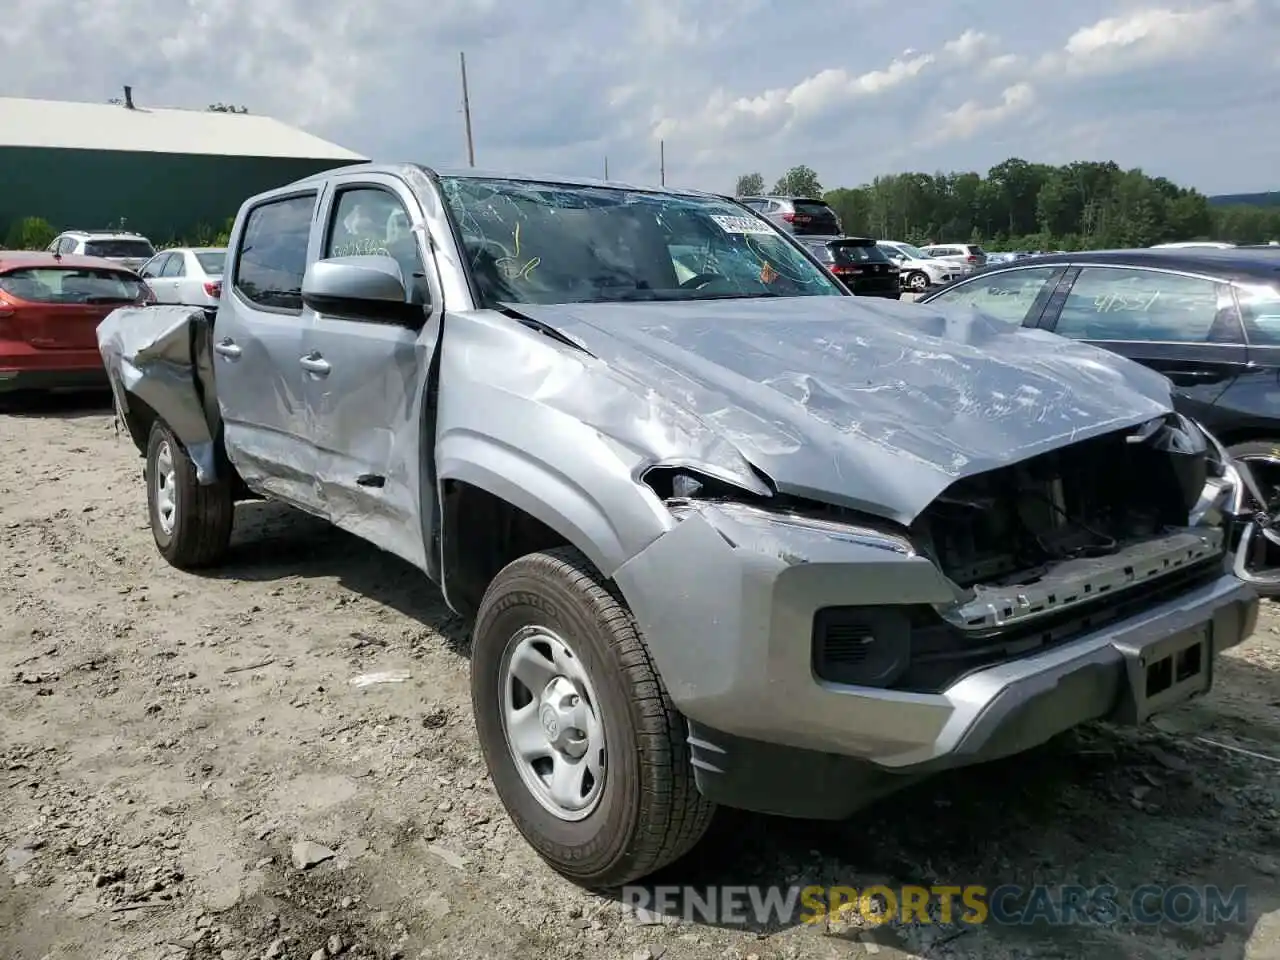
554, 432
1089, 582
873, 406
160, 355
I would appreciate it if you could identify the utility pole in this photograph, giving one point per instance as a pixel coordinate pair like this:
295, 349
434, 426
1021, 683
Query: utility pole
606, 168
662, 162
466, 110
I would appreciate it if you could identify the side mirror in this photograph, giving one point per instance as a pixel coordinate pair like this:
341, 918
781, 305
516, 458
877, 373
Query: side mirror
369, 288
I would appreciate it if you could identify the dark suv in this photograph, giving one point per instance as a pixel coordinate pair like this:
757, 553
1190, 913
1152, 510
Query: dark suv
860, 263
802, 216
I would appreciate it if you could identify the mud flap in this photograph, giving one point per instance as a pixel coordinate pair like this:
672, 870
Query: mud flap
1163, 673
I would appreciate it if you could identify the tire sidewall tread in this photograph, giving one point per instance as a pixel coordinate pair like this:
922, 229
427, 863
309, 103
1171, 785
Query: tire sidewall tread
203, 513
651, 812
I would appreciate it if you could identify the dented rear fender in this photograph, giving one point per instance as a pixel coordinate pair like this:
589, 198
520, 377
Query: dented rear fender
159, 363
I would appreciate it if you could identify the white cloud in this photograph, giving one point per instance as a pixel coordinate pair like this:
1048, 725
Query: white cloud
1146, 35
969, 46
730, 85
972, 116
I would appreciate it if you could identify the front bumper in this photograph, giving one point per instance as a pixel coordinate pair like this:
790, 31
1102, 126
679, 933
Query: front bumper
734, 653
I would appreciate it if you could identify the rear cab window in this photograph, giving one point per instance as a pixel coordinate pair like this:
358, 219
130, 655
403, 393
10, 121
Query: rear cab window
857, 251
272, 256
814, 217
1260, 311
71, 285
211, 263
118, 248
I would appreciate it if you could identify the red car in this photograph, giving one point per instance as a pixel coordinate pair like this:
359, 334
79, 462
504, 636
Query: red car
50, 308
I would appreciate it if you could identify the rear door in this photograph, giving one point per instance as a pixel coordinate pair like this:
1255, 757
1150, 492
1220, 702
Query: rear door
60, 307
365, 376
1252, 402
151, 271
171, 277
257, 343
1185, 326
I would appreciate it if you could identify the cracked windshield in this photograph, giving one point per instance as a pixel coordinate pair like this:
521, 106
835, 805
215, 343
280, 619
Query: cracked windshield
539, 243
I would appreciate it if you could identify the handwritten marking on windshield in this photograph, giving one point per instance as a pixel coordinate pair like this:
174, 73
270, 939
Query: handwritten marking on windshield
510, 268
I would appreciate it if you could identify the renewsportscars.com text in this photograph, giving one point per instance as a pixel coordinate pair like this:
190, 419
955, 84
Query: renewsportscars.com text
1009, 904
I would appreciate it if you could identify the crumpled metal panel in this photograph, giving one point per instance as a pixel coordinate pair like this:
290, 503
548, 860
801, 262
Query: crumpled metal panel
148, 353
870, 404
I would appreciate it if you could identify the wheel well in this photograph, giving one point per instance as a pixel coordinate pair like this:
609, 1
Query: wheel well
1229, 438
138, 420
141, 417
481, 534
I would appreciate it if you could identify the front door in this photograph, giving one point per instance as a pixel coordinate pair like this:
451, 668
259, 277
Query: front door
257, 343
365, 378
1186, 327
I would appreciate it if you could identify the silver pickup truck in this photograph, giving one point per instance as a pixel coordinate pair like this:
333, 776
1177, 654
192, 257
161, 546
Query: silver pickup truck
727, 534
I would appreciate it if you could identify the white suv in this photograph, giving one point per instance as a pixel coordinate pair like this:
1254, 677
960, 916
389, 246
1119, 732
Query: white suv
917, 271
130, 250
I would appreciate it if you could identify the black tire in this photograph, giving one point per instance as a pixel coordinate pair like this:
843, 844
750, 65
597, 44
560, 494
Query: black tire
200, 532
650, 812
917, 282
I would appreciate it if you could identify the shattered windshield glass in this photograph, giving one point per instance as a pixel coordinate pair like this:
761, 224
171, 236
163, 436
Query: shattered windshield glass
541, 243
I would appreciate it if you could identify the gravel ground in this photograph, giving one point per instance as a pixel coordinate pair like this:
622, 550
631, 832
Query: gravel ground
188, 770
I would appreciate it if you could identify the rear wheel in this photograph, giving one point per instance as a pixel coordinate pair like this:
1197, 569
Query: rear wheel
191, 522
586, 750
917, 282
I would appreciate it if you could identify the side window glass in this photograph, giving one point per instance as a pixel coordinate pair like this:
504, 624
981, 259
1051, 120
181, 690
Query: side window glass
1260, 311
174, 267
149, 268
1006, 296
368, 221
272, 258
1129, 303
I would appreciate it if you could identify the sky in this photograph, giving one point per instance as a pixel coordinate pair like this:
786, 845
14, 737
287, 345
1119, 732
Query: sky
852, 88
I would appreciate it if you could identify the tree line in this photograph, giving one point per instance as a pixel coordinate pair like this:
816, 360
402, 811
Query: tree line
1020, 205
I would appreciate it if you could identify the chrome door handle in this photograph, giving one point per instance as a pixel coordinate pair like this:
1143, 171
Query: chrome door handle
227, 347
314, 363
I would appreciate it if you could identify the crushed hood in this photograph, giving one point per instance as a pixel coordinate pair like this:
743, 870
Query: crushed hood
866, 403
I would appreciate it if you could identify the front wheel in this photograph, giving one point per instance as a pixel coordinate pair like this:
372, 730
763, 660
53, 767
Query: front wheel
585, 749
917, 282
191, 522
1263, 460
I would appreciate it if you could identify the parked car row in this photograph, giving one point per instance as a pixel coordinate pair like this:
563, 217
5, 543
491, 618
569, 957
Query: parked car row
52, 301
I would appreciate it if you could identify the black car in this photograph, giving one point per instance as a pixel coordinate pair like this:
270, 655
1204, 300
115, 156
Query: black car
860, 263
1208, 319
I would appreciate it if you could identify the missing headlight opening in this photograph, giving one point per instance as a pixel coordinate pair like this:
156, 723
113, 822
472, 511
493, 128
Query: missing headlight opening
1090, 499
1047, 548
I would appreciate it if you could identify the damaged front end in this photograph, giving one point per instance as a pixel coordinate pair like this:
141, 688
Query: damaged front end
1033, 554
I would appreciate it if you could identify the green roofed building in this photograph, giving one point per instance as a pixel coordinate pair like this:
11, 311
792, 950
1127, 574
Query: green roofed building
165, 173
